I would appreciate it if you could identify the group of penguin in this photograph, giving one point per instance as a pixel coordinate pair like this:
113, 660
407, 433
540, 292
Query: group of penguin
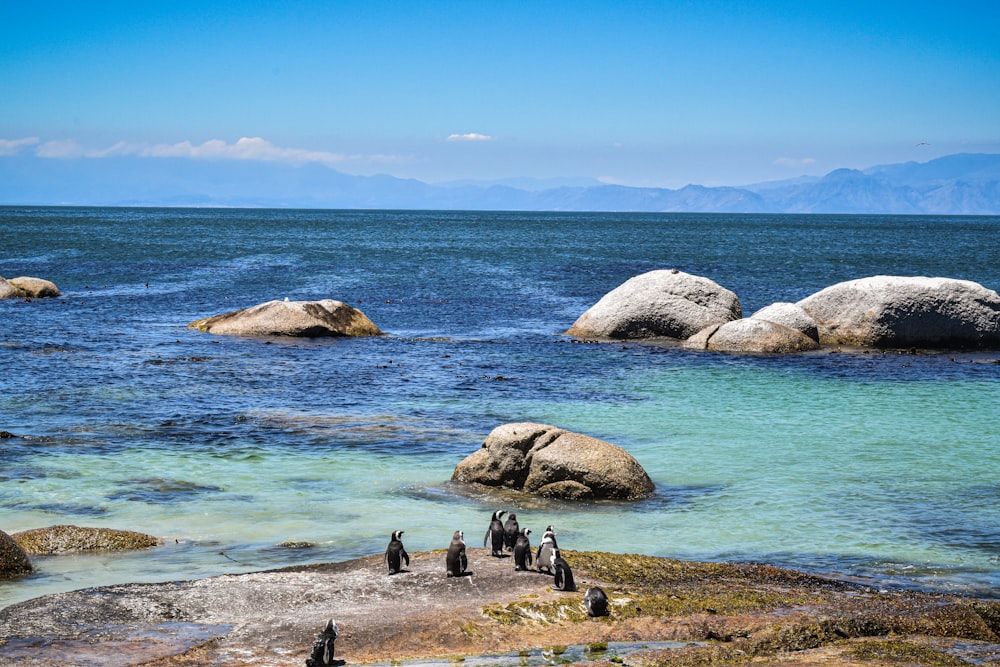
507, 535
499, 536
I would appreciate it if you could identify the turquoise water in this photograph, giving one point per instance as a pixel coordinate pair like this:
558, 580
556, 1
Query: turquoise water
881, 466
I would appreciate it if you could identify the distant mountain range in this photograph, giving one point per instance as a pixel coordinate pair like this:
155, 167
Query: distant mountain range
955, 184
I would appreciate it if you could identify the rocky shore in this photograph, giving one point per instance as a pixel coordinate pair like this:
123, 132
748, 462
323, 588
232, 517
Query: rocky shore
722, 613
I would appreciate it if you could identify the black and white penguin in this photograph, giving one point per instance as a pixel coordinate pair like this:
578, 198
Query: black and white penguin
510, 531
456, 560
395, 554
494, 536
522, 551
545, 548
563, 575
595, 600
322, 650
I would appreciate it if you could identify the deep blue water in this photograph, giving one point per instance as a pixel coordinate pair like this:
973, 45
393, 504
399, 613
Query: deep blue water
880, 465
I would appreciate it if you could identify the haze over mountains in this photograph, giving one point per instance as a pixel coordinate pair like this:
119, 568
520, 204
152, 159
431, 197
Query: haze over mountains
955, 184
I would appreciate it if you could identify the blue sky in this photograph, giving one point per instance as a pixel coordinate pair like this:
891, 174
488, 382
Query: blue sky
640, 93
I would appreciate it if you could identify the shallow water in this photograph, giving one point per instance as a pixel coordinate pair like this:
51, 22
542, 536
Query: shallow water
882, 465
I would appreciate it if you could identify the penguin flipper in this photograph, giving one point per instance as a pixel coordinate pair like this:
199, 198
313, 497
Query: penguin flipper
406, 557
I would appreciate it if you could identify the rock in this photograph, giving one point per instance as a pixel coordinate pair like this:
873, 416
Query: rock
25, 287
291, 318
8, 291
13, 559
790, 315
751, 336
658, 303
62, 539
35, 288
894, 311
750, 613
552, 462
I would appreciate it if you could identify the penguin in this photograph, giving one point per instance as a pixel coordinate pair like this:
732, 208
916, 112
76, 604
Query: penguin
563, 575
544, 556
510, 531
522, 551
495, 535
595, 600
322, 650
456, 560
395, 554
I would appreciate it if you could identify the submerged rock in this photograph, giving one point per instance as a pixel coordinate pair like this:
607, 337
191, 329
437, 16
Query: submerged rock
549, 461
63, 539
662, 303
752, 336
896, 311
13, 559
291, 318
26, 287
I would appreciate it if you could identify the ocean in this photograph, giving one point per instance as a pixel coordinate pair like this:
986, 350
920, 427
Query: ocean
249, 454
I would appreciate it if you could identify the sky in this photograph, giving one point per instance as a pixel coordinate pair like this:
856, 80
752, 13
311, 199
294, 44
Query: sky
657, 94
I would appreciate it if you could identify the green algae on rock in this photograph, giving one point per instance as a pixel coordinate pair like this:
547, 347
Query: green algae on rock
66, 538
13, 558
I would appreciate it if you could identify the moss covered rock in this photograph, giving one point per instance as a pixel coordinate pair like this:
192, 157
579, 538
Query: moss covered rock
62, 539
13, 559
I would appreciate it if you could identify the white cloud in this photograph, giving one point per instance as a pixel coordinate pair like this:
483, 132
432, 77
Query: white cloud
470, 136
12, 146
247, 148
63, 148
795, 163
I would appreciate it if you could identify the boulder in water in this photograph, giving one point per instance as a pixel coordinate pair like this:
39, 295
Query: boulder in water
790, 315
13, 559
291, 318
27, 288
899, 311
662, 303
63, 539
751, 336
549, 461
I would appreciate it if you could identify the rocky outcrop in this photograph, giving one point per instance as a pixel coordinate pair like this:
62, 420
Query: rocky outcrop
752, 336
27, 288
13, 560
64, 539
667, 303
711, 613
895, 311
291, 318
551, 462
790, 315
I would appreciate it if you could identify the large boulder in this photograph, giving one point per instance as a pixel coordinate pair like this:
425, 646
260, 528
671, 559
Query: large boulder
752, 336
64, 539
25, 287
790, 315
291, 318
666, 303
895, 311
549, 461
13, 560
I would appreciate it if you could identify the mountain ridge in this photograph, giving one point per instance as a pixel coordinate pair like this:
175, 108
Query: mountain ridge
958, 184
